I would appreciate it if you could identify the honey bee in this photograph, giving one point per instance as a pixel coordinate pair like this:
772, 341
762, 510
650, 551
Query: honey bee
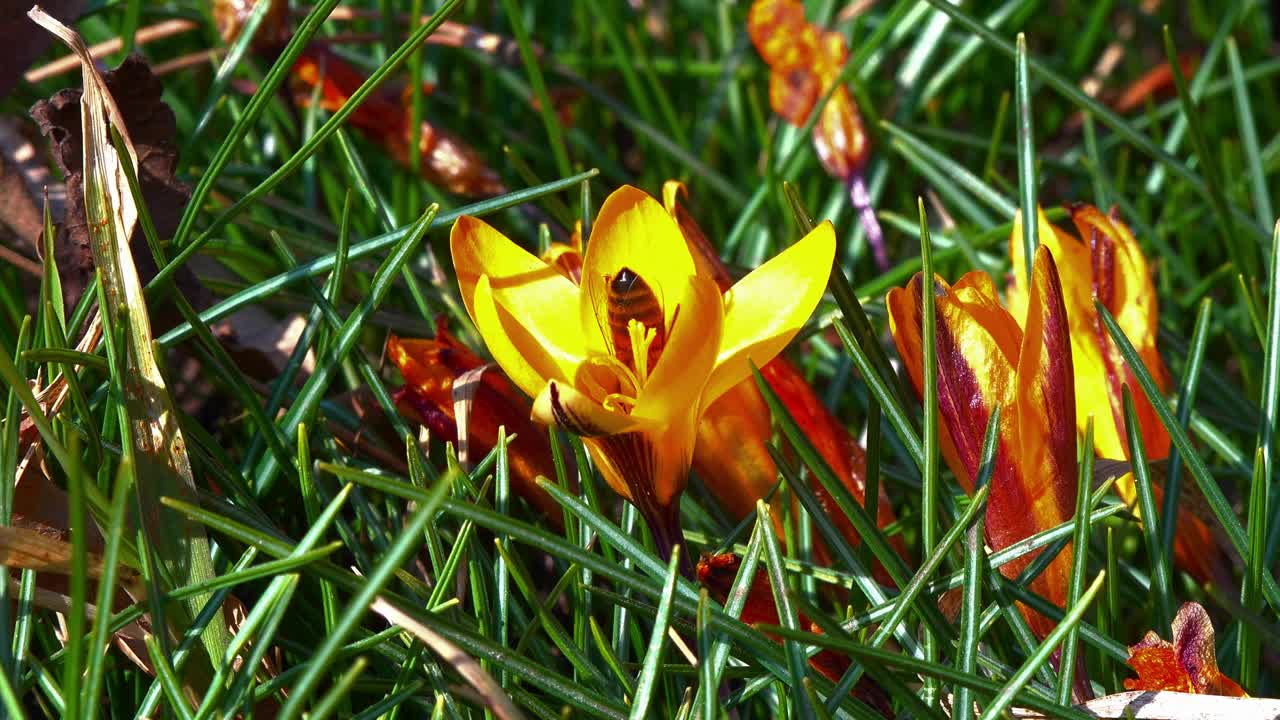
628, 297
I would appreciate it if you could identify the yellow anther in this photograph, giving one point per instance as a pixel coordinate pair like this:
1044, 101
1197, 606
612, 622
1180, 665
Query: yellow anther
641, 338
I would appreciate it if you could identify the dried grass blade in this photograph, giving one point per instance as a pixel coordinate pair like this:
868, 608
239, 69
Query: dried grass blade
156, 440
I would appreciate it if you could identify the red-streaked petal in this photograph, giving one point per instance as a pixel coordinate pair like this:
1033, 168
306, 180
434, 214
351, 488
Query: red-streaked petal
430, 368
839, 137
1046, 419
975, 373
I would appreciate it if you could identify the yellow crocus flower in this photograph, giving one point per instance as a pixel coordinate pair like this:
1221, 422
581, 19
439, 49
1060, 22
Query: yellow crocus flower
629, 358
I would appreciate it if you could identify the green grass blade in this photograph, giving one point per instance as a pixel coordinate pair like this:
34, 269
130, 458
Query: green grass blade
1186, 402
929, 493
373, 246
796, 660
1243, 256
1249, 643
1079, 566
1213, 495
1008, 693
739, 593
649, 669
1262, 208
1027, 184
1160, 570
404, 545
555, 133
318, 383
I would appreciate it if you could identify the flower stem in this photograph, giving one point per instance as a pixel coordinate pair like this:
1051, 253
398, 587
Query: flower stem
860, 197
664, 525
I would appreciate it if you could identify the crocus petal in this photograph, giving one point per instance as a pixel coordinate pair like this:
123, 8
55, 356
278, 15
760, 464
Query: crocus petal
1045, 494
631, 231
977, 345
1045, 398
1071, 256
686, 364
1097, 387
535, 306
782, 35
1193, 638
839, 137
649, 468
529, 357
1121, 281
704, 253
566, 258
903, 305
1157, 666
765, 309
559, 404
976, 361
420, 364
730, 454
430, 369
792, 95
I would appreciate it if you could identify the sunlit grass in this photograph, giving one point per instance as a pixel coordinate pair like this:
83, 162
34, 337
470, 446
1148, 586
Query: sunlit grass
317, 508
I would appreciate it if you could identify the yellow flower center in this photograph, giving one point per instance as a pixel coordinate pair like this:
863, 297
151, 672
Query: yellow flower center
612, 382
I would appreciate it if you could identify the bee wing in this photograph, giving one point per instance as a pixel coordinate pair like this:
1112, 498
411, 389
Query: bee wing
597, 290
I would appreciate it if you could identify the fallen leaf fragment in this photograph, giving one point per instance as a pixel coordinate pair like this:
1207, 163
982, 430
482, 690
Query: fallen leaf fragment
1188, 664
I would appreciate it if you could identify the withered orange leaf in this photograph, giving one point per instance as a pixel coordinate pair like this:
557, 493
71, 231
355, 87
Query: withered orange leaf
1188, 664
430, 368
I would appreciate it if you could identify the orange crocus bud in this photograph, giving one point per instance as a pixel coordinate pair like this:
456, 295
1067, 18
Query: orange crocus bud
730, 454
1188, 664
717, 572
985, 360
1105, 262
431, 367
805, 62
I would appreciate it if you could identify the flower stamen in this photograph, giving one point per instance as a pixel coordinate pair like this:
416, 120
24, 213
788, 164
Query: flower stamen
618, 386
642, 336
617, 402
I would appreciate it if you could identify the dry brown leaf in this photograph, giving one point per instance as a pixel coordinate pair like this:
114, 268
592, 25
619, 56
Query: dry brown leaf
162, 465
466, 666
153, 130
